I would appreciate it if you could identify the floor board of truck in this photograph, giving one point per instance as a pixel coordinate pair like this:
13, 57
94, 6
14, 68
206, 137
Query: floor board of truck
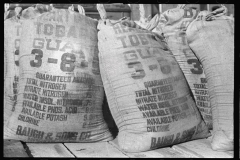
193, 149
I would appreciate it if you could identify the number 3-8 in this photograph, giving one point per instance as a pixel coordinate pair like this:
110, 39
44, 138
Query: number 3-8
67, 60
67, 64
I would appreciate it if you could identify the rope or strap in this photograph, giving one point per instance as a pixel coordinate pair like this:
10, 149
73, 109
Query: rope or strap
81, 10
102, 11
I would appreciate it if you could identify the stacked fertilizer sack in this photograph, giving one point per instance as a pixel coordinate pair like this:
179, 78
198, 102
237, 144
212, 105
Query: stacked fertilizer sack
146, 90
144, 22
211, 37
60, 91
11, 50
172, 24
12, 33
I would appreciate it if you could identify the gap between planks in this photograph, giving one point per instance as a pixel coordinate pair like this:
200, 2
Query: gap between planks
99, 149
14, 148
196, 148
166, 152
49, 150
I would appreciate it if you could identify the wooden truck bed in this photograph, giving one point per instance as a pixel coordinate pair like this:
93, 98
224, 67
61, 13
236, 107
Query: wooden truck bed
193, 149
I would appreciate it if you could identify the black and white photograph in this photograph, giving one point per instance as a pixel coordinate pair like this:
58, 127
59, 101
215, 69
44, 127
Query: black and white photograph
118, 80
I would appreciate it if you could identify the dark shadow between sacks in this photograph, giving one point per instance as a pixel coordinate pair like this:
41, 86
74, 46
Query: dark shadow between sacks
108, 118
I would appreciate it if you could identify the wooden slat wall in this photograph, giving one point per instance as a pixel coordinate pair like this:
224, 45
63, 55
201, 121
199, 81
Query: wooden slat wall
135, 13
201, 7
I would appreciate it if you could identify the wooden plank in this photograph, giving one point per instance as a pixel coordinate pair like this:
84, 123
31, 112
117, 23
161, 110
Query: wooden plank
157, 153
99, 149
171, 153
49, 150
201, 148
14, 148
87, 7
166, 7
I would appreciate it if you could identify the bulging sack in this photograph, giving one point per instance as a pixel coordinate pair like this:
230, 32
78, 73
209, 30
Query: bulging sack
60, 88
12, 30
213, 43
12, 33
146, 90
172, 25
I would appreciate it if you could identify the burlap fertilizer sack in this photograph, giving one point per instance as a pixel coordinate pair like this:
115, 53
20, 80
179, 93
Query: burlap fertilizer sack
60, 88
12, 33
213, 43
12, 30
147, 93
172, 24
153, 23
145, 21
